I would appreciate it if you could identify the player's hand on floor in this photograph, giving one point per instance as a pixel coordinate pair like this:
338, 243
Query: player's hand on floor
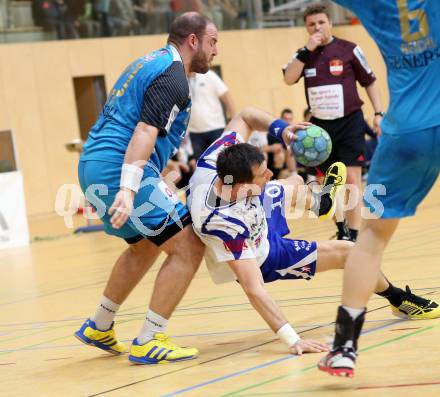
308, 346
121, 207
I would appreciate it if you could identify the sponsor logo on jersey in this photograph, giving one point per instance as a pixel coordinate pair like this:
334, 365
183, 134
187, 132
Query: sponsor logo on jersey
310, 72
413, 61
235, 245
169, 194
336, 67
257, 241
306, 269
154, 55
302, 245
358, 53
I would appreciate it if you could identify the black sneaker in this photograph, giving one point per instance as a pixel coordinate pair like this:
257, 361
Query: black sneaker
343, 233
414, 307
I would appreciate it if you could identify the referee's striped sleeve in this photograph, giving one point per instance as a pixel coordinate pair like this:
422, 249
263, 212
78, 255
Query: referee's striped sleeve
165, 97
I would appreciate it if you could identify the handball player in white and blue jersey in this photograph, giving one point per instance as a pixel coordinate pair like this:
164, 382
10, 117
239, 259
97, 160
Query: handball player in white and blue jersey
406, 161
140, 128
241, 218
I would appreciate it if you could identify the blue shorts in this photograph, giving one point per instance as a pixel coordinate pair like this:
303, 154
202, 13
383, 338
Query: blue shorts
157, 213
287, 259
407, 166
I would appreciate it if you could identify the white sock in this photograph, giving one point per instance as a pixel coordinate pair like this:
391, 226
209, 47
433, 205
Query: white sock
153, 323
105, 314
354, 313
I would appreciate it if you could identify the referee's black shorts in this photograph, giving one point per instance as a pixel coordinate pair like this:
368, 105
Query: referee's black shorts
348, 139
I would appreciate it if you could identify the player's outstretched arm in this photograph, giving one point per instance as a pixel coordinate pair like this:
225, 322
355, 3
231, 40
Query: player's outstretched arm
251, 280
253, 119
138, 152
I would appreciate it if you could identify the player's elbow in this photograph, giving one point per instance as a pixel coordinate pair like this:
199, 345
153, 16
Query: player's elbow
290, 77
289, 80
246, 114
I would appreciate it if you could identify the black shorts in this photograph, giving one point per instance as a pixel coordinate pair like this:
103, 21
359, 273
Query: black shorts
348, 139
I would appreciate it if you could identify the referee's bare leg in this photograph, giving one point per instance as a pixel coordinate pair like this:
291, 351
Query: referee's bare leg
353, 215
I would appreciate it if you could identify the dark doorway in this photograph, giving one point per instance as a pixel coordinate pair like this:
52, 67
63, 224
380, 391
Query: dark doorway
90, 95
8, 161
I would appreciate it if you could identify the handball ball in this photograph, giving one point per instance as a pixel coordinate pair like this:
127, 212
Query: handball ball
312, 147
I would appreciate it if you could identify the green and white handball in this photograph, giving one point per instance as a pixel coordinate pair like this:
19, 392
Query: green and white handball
312, 147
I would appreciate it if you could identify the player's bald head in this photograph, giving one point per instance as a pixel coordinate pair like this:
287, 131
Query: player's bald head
186, 24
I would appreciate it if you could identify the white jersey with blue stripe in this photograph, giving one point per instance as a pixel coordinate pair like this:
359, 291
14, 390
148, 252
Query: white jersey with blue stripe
230, 231
153, 89
408, 35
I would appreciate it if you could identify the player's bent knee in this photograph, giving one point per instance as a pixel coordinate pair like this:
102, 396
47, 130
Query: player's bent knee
379, 230
333, 254
142, 248
186, 245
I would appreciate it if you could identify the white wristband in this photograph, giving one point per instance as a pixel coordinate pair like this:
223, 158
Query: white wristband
288, 335
131, 177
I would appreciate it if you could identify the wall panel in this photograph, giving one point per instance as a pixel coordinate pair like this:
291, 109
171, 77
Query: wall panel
22, 104
57, 111
37, 98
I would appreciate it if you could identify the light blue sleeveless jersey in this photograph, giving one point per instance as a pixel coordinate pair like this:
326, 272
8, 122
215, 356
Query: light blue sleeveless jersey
408, 35
111, 134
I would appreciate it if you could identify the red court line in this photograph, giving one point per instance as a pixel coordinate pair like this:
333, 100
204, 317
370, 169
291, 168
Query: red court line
404, 329
395, 386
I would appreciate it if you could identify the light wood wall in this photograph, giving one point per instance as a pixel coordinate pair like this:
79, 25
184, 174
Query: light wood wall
37, 98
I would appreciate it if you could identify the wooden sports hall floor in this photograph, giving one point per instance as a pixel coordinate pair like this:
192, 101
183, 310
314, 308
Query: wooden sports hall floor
48, 288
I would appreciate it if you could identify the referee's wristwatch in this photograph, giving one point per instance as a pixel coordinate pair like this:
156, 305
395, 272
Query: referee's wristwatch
381, 114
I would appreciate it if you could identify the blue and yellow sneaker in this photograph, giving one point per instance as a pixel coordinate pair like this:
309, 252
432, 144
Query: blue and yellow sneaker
335, 178
160, 350
105, 340
414, 307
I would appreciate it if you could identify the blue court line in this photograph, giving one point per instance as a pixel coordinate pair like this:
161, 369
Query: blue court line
233, 375
238, 331
81, 318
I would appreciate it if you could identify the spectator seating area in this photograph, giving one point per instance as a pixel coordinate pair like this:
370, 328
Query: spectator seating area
36, 20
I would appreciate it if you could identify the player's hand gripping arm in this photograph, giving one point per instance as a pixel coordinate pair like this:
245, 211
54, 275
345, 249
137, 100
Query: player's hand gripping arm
251, 280
138, 152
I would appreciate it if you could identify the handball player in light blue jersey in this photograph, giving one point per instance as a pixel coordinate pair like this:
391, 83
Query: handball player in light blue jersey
406, 161
140, 128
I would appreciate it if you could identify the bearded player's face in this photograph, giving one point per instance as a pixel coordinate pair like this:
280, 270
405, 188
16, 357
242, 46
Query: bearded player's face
206, 51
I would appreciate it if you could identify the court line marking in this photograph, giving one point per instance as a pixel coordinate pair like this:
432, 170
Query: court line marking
297, 372
227, 355
219, 379
183, 369
398, 385
305, 327
235, 374
282, 393
215, 380
3, 352
46, 294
